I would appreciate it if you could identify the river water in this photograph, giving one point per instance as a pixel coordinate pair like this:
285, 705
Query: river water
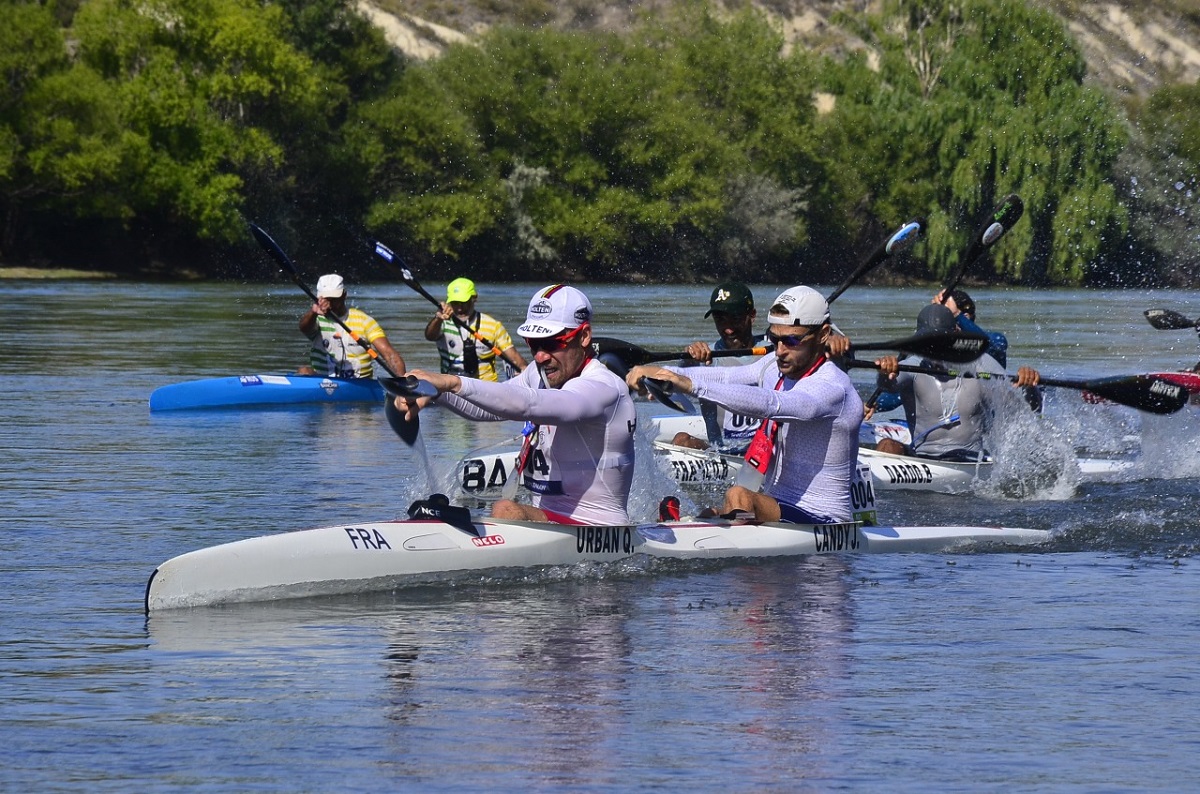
1066, 667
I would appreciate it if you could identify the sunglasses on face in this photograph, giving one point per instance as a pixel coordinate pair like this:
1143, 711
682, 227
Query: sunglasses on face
790, 340
553, 344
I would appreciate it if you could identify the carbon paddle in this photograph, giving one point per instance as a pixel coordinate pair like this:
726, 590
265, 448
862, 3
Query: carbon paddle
957, 347
389, 256
901, 240
1168, 320
284, 262
632, 355
1144, 392
664, 392
1006, 213
409, 386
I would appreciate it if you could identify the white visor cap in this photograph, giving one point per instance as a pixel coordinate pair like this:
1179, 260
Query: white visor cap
799, 306
331, 286
555, 309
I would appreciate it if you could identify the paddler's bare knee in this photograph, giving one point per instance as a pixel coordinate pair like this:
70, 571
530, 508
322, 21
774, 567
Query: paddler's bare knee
688, 441
739, 498
891, 446
507, 508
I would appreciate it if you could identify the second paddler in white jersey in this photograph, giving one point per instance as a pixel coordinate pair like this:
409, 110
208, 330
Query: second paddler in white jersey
731, 307
807, 445
578, 463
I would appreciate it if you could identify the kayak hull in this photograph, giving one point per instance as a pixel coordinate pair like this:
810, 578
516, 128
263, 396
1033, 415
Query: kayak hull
252, 390
379, 556
705, 468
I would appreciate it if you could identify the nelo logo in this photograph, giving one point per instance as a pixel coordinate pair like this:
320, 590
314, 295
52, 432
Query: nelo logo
490, 540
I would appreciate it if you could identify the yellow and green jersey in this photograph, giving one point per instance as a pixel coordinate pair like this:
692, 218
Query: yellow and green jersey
454, 352
336, 354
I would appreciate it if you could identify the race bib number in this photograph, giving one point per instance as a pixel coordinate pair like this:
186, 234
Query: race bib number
862, 496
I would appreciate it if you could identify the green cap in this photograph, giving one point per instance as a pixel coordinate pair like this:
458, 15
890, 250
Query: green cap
730, 297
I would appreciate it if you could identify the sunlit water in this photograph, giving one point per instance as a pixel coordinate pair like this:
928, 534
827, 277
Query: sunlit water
1071, 666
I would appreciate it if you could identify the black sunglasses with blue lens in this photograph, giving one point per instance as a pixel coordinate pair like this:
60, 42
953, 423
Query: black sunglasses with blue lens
790, 340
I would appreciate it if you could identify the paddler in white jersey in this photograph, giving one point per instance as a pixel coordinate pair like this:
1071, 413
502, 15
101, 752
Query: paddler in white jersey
731, 307
807, 447
579, 458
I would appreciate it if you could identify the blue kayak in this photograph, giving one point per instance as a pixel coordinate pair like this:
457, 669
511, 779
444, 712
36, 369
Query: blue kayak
247, 390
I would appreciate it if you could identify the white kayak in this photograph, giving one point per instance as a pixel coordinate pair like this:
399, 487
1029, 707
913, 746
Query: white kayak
484, 475
380, 556
704, 468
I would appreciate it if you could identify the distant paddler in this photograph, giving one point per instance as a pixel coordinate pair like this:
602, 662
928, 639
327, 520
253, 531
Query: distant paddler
337, 330
947, 414
577, 460
469, 341
806, 447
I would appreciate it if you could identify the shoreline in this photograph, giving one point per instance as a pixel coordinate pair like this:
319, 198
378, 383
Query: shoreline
53, 273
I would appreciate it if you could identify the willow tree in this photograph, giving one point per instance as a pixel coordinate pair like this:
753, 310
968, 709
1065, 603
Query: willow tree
1161, 171
981, 98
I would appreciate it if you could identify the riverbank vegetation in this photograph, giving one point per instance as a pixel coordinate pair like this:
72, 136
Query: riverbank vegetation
140, 137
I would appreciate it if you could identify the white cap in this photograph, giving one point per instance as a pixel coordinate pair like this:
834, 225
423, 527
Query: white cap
799, 306
331, 286
553, 310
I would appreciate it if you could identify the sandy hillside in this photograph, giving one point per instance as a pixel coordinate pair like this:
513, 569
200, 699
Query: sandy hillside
1131, 47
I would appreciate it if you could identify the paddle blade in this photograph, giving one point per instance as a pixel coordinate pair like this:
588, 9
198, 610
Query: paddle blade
900, 240
271, 247
407, 430
1144, 392
408, 386
1167, 320
957, 347
384, 253
1006, 213
664, 392
627, 353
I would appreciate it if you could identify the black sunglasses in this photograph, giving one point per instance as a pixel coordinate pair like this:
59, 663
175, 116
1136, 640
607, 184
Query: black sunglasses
790, 340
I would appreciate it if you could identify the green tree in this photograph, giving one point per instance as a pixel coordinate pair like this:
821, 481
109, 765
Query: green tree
205, 89
628, 167
57, 132
1160, 180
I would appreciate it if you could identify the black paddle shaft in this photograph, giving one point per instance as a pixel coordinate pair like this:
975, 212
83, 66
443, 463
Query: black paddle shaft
1002, 218
1144, 392
406, 275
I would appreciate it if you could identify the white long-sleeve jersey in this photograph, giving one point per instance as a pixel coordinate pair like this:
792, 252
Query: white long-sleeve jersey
582, 464
816, 447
